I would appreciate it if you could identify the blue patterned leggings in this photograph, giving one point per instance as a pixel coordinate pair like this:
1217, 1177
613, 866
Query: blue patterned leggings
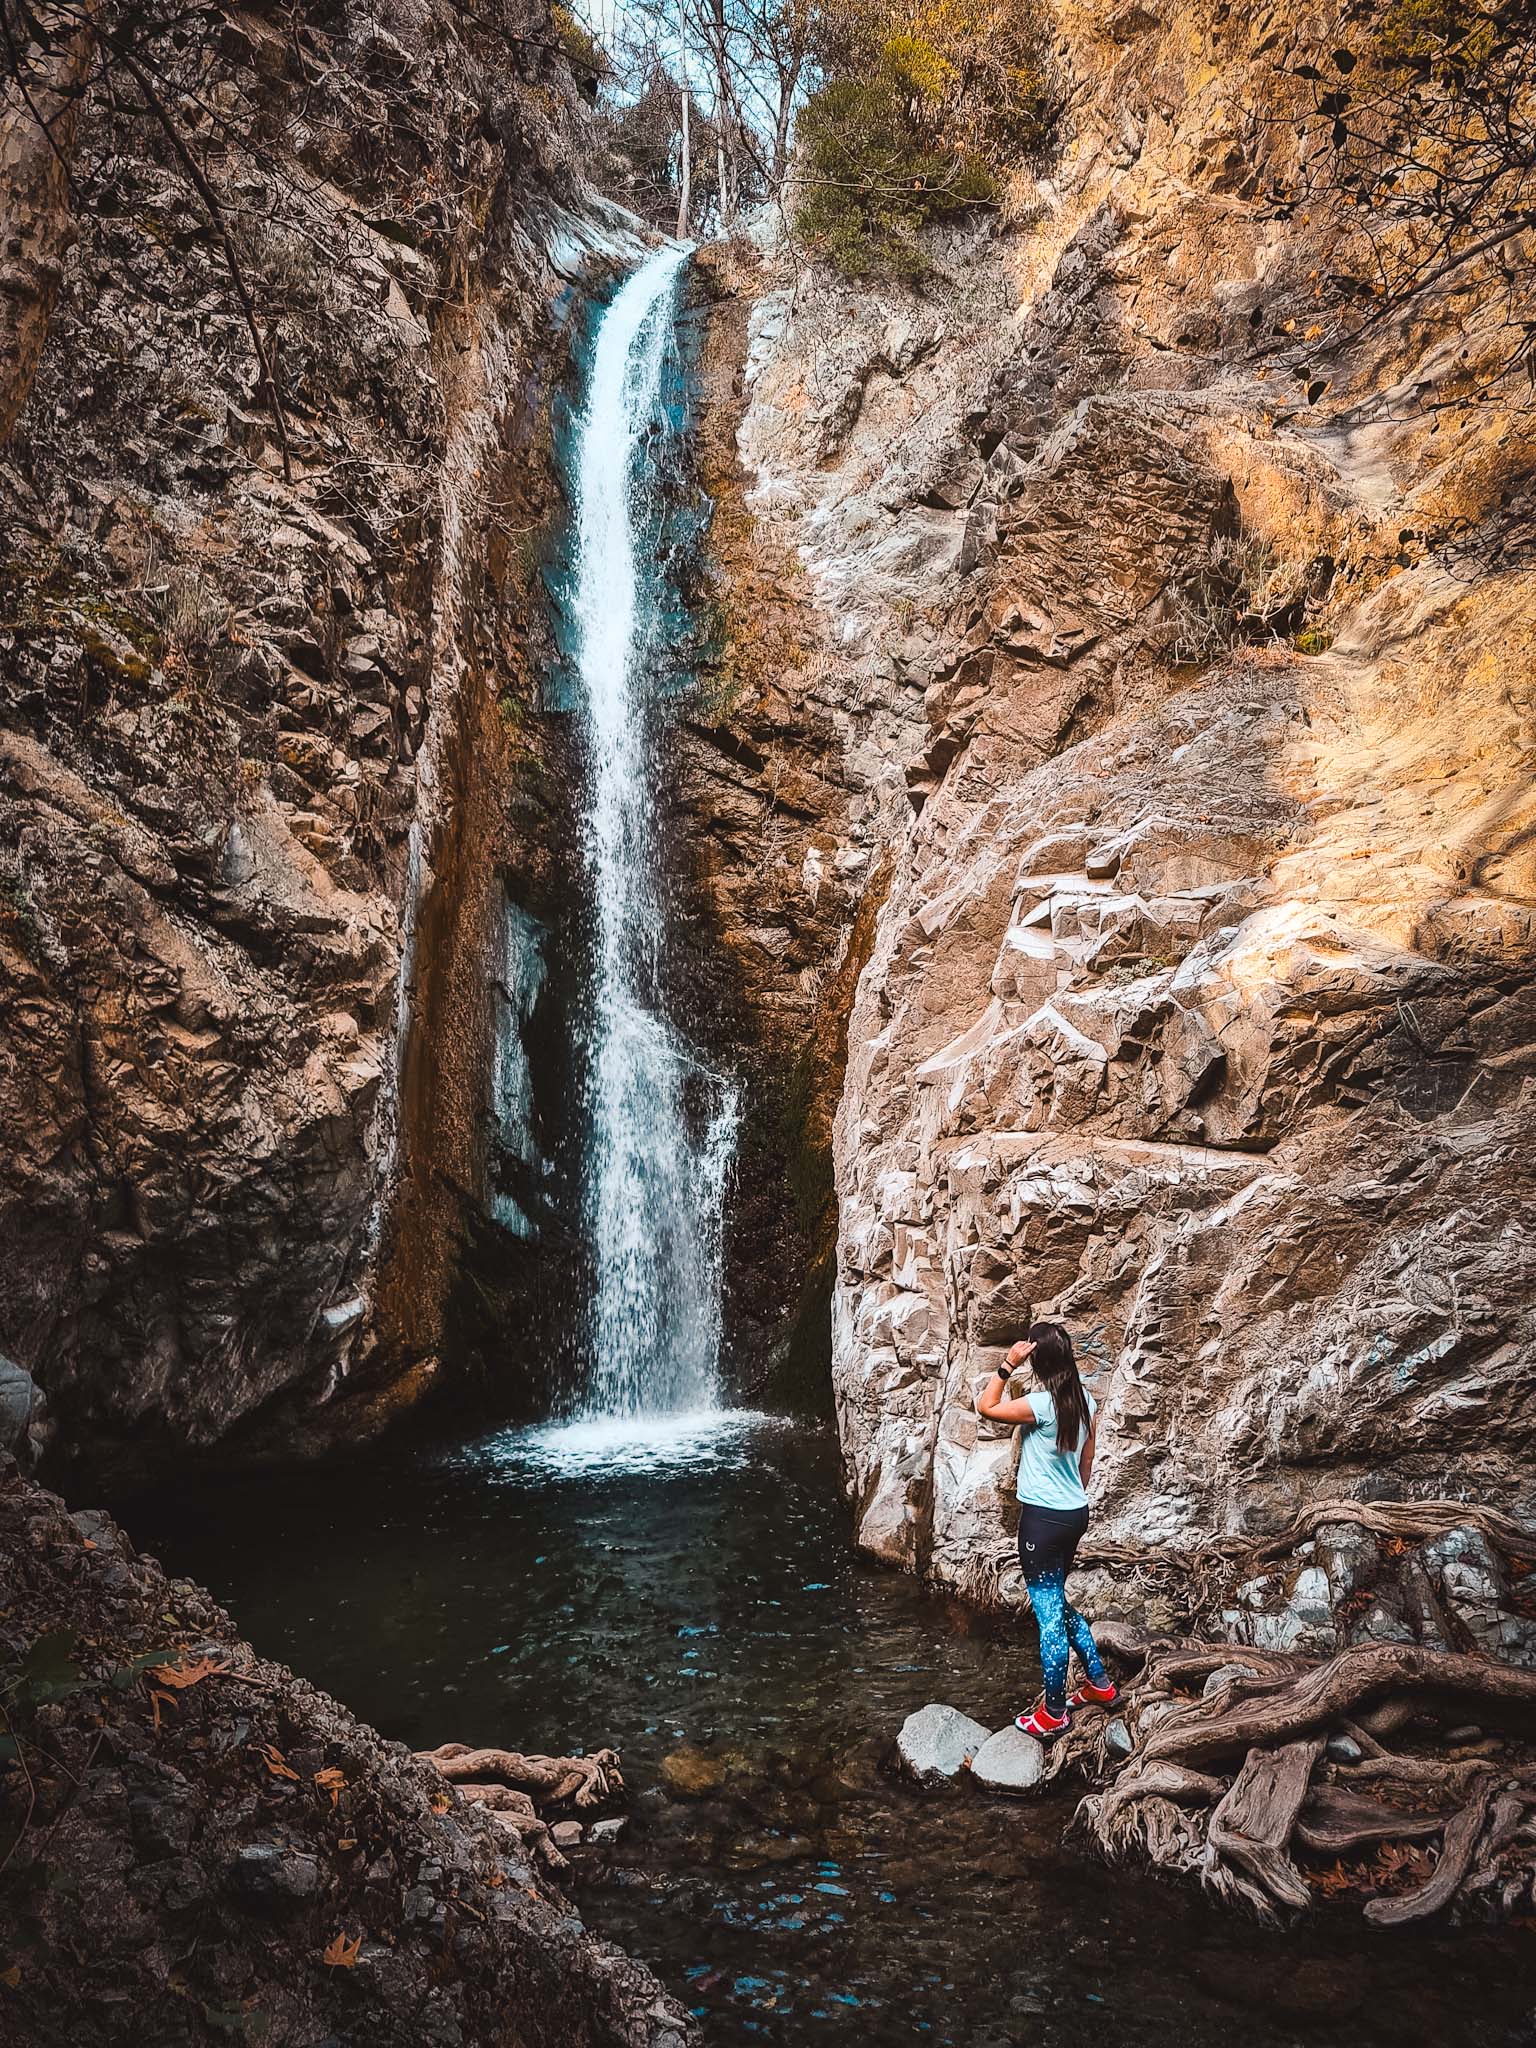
1048, 1540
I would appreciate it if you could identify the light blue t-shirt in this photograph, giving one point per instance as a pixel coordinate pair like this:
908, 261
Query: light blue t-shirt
1048, 1475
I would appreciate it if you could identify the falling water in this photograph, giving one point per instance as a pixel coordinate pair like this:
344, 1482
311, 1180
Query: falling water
661, 1123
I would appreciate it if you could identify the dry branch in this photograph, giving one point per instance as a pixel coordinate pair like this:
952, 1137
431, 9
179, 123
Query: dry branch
579, 1781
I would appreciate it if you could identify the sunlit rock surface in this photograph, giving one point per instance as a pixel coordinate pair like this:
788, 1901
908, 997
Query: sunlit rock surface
1199, 1007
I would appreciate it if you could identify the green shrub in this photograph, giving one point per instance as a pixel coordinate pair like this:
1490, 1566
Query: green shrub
920, 114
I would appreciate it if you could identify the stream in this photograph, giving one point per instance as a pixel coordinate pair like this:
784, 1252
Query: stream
686, 1589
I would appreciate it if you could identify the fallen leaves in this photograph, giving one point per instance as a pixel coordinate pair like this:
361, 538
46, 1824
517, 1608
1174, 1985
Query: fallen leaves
331, 1780
11, 1978
188, 1672
276, 1762
341, 1953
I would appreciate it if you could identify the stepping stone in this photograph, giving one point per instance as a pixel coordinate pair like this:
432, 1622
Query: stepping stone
936, 1743
1009, 1761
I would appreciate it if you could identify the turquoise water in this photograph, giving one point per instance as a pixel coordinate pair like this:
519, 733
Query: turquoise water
690, 1587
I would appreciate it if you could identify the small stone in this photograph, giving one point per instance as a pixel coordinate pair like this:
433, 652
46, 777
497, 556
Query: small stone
690, 1774
605, 1832
1224, 1674
937, 1742
1118, 1739
1343, 1749
567, 1834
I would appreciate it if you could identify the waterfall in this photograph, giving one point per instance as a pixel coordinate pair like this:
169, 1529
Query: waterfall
660, 1124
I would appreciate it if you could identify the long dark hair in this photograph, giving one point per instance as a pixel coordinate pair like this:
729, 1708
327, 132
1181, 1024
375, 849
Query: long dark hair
1056, 1369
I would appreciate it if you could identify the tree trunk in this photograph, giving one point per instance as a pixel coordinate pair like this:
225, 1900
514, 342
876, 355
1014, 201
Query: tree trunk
725, 102
36, 221
685, 175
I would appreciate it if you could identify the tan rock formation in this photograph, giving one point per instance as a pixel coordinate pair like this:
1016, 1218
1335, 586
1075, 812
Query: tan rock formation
1198, 1011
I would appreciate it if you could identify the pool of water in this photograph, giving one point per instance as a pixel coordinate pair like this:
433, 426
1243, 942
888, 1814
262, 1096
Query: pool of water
688, 1592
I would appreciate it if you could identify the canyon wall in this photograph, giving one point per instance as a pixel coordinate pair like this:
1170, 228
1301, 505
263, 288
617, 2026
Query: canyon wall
270, 744
1198, 1008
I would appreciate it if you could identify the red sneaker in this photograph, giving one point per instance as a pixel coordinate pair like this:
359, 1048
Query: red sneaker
1090, 1695
1044, 1727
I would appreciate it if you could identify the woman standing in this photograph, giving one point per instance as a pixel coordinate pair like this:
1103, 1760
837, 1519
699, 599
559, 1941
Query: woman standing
1060, 1419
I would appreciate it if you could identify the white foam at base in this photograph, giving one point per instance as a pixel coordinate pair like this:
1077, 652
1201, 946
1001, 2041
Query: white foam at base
629, 1446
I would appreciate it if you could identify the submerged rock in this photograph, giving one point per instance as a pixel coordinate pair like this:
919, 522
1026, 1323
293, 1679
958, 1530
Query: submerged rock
937, 1742
691, 1774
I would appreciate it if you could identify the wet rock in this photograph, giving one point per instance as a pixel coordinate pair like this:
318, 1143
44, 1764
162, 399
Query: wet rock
1010, 1762
937, 1742
692, 1774
269, 1875
1118, 1739
1343, 1749
604, 1833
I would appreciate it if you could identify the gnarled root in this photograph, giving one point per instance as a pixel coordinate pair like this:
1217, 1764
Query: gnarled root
1236, 1787
506, 1784
578, 1781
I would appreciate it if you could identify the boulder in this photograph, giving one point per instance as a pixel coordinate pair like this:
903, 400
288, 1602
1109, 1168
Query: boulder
24, 1425
937, 1742
1010, 1762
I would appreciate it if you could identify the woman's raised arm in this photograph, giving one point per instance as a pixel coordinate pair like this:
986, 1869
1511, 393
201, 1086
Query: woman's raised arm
993, 1403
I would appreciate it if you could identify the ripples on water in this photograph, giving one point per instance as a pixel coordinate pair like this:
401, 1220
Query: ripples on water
687, 1586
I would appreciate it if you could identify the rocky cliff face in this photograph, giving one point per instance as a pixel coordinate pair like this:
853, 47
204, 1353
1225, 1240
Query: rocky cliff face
1198, 1010
269, 742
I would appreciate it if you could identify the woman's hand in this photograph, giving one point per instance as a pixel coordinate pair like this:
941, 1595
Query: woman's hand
1017, 1355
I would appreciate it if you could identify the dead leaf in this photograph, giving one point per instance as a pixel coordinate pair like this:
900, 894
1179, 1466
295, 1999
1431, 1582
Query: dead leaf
193, 1672
331, 1780
157, 1699
11, 1978
276, 1762
342, 1954
350, 1842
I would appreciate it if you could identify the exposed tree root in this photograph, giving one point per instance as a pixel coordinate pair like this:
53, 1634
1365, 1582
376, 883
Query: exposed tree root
578, 1781
507, 1784
1238, 1788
